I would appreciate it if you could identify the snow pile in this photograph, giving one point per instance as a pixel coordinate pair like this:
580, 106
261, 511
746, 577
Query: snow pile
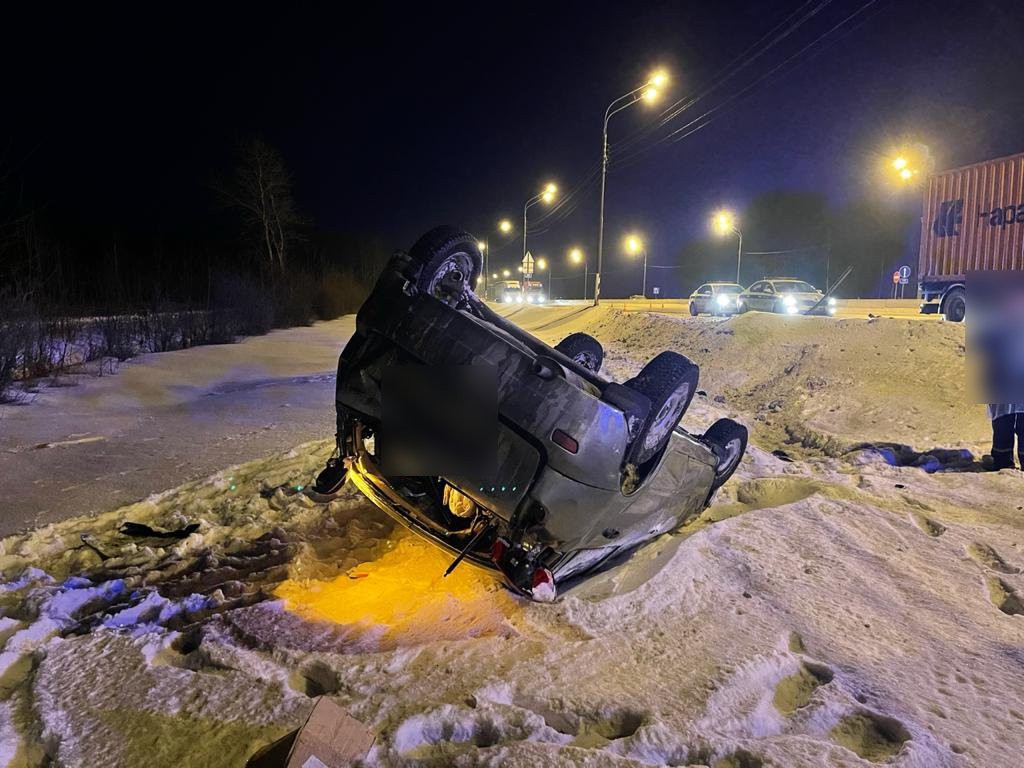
829, 609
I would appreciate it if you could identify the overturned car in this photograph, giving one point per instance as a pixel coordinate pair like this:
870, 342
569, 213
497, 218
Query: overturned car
578, 467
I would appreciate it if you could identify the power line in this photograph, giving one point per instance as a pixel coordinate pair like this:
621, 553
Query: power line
737, 65
711, 114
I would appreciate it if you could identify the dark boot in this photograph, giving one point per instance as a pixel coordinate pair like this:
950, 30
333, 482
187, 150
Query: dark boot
331, 477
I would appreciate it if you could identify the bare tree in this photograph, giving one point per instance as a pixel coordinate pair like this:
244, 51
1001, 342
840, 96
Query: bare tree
261, 189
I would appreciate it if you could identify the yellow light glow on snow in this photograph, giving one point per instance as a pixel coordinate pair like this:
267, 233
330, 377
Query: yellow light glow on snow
401, 599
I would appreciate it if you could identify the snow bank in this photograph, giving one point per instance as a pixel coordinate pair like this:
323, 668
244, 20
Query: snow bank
829, 609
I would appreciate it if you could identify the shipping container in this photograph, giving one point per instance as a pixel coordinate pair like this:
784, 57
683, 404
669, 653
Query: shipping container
973, 220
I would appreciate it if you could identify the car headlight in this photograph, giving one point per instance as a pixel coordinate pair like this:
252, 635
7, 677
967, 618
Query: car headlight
529, 299
541, 299
831, 301
519, 299
506, 297
789, 302
723, 300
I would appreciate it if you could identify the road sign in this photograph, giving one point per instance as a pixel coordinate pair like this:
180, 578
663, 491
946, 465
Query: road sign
656, 290
895, 278
904, 273
528, 265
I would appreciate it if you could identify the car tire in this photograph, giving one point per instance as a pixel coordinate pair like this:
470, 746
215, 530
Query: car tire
954, 305
584, 349
669, 381
693, 310
728, 440
442, 250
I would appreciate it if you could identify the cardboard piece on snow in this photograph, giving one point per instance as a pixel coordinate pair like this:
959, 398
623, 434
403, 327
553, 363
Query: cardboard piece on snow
330, 738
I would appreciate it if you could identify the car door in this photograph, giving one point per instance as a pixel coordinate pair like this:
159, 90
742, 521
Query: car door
754, 296
704, 298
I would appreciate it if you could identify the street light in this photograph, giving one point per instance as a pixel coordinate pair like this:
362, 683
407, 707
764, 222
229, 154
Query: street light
506, 273
546, 195
725, 222
647, 92
504, 227
634, 246
576, 256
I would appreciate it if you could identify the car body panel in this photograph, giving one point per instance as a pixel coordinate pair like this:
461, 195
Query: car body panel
555, 510
705, 299
785, 296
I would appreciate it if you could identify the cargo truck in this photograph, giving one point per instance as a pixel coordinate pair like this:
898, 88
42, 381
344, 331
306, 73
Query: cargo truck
973, 220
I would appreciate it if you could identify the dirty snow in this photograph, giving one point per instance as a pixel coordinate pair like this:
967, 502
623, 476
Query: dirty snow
87, 443
836, 606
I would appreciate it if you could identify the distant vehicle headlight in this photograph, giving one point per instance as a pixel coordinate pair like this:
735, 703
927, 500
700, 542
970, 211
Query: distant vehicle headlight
519, 299
831, 301
507, 297
529, 299
723, 300
789, 301
542, 298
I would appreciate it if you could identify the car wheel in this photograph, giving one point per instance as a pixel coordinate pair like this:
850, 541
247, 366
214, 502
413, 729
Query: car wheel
669, 381
584, 349
728, 440
954, 308
444, 253
693, 309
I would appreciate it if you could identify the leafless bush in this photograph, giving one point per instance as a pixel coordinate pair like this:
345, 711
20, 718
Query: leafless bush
118, 336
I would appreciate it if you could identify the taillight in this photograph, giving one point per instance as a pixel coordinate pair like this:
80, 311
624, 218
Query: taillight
562, 440
498, 550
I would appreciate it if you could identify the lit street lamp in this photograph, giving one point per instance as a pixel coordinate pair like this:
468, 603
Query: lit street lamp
504, 227
634, 246
724, 223
506, 273
576, 256
647, 92
546, 195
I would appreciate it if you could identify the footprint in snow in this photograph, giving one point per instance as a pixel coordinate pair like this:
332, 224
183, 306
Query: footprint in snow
871, 736
1004, 597
926, 524
989, 558
795, 691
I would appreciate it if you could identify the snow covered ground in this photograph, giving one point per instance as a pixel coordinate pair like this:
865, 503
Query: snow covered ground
93, 443
838, 604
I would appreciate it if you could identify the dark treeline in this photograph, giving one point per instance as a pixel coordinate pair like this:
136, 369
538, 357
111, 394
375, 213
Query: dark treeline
253, 239
74, 290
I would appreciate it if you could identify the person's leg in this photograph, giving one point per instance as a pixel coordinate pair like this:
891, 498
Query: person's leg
1002, 441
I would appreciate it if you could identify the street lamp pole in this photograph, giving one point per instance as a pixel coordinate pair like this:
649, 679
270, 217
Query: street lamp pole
739, 252
644, 289
546, 195
646, 91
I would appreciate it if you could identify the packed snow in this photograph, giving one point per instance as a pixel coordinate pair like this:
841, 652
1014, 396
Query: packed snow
851, 598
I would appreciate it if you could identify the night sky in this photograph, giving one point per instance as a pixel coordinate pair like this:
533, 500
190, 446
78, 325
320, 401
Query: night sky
394, 120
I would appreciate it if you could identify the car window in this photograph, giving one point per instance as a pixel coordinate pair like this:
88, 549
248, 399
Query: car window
755, 288
795, 286
728, 288
705, 290
768, 288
